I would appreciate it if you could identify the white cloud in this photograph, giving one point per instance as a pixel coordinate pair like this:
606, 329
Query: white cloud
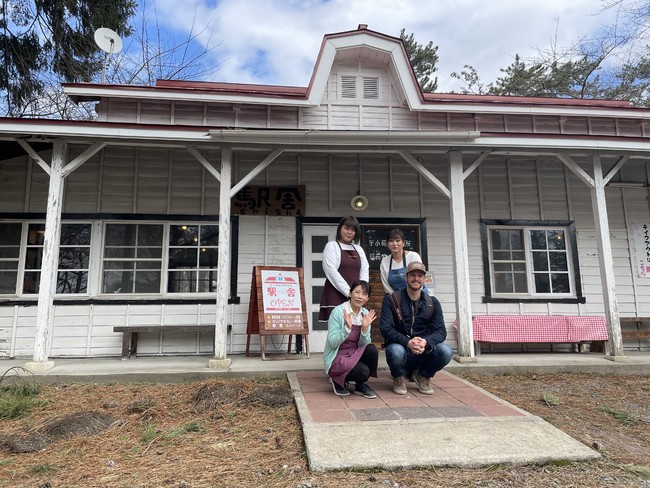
277, 42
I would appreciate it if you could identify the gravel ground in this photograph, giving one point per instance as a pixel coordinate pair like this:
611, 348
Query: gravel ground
234, 433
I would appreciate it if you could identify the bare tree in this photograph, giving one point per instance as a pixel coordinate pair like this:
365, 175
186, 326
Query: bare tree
149, 54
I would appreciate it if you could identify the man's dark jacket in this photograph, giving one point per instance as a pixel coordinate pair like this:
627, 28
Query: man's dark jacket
432, 329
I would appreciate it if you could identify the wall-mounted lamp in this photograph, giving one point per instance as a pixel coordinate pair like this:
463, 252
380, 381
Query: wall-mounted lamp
359, 203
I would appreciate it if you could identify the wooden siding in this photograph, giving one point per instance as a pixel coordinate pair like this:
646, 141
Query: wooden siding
15, 183
220, 115
156, 112
186, 113
314, 118
171, 181
119, 110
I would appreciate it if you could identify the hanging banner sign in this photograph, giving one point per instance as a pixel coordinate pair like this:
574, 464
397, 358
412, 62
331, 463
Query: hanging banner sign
642, 246
277, 201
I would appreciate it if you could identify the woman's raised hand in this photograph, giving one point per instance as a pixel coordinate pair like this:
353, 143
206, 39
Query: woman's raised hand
368, 318
348, 319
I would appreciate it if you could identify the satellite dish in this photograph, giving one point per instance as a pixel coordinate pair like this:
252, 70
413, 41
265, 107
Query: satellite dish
109, 42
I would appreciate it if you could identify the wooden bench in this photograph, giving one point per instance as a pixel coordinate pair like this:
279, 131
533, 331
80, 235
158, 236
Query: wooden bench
130, 334
639, 333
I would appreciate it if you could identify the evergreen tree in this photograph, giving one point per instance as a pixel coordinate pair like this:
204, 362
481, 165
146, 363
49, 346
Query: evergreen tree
423, 59
42, 38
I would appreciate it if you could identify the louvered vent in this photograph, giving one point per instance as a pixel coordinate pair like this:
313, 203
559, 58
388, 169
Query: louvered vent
348, 87
370, 88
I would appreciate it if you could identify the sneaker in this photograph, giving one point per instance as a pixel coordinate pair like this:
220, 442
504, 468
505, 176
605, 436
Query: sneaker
423, 385
399, 385
364, 389
338, 389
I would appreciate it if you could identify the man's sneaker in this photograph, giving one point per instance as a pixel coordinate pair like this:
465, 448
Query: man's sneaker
338, 389
364, 389
399, 385
423, 385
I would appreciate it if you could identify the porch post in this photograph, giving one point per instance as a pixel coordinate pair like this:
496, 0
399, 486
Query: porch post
599, 206
460, 253
223, 278
51, 240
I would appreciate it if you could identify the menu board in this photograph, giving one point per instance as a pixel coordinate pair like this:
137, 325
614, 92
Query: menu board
375, 237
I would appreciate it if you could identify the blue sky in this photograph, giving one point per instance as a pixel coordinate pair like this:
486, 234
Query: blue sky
277, 41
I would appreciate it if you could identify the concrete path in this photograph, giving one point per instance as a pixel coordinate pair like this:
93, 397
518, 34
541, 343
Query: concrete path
459, 425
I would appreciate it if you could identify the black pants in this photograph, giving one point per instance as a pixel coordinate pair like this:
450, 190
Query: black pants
367, 362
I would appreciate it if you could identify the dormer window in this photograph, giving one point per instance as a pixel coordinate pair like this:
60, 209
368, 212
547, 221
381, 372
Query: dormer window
355, 87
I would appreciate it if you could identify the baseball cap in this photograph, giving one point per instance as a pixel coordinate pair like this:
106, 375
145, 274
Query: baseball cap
415, 266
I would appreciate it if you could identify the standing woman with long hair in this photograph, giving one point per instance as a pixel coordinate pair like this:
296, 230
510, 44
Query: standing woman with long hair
344, 262
393, 266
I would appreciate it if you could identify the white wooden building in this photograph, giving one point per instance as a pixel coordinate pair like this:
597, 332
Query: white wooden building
122, 221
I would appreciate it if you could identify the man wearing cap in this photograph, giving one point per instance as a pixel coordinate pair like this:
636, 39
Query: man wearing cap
415, 338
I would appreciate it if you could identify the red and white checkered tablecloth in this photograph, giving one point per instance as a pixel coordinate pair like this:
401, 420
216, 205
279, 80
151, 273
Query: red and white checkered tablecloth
587, 328
538, 328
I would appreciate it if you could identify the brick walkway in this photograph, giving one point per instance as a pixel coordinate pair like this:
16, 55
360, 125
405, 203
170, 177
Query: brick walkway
452, 398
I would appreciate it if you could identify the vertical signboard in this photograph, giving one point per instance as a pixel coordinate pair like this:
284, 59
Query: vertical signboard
642, 247
277, 305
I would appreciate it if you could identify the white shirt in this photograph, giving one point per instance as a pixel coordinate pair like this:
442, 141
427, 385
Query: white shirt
409, 257
332, 261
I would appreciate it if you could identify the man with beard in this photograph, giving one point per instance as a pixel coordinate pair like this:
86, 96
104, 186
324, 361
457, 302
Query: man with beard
414, 329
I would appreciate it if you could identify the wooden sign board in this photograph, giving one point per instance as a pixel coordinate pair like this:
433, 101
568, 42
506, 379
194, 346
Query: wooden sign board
277, 305
374, 240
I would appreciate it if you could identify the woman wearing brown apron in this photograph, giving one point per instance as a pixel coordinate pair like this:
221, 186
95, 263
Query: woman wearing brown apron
344, 262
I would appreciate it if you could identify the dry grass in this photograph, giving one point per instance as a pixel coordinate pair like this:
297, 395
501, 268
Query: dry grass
233, 433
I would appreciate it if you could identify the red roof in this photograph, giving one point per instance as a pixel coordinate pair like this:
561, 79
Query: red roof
503, 99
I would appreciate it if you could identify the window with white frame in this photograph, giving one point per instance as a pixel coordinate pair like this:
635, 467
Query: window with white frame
133, 257
74, 258
192, 263
530, 261
10, 238
137, 257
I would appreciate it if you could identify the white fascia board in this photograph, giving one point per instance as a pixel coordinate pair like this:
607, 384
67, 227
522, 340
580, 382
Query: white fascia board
13, 130
181, 95
537, 110
322, 73
552, 143
343, 138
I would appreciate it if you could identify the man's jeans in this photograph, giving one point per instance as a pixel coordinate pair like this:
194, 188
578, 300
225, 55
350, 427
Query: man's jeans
400, 359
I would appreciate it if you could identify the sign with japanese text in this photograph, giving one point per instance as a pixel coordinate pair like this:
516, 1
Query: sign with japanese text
281, 298
642, 246
277, 306
279, 201
374, 240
